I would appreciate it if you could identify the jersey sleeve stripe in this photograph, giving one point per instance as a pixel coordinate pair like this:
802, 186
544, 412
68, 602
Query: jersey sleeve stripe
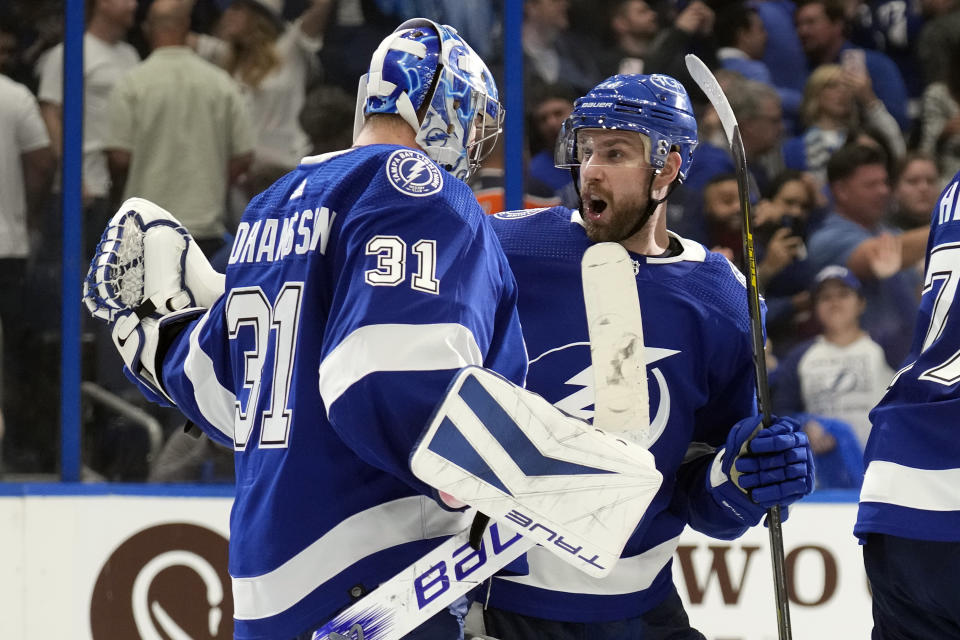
395, 347
929, 489
363, 534
629, 575
216, 403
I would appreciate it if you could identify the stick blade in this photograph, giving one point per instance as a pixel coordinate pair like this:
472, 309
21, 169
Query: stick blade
616, 341
707, 82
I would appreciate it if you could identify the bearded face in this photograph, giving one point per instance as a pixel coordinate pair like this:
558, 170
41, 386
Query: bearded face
614, 182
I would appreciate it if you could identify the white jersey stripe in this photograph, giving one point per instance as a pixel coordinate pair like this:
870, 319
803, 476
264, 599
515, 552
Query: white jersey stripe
215, 402
395, 347
628, 575
362, 534
928, 489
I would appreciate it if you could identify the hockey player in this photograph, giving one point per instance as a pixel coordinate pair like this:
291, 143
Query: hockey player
357, 286
629, 141
909, 517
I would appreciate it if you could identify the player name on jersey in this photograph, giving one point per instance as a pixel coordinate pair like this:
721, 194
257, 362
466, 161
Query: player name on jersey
948, 209
276, 238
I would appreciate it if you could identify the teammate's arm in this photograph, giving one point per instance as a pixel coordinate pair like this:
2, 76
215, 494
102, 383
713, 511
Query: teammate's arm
727, 483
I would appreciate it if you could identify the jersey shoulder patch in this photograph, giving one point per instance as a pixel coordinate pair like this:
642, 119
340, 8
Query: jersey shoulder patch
412, 173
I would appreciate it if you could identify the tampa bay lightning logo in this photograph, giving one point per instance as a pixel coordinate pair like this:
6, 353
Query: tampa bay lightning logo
614, 82
413, 174
666, 83
559, 376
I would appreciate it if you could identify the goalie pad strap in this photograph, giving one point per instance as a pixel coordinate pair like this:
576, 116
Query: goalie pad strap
145, 309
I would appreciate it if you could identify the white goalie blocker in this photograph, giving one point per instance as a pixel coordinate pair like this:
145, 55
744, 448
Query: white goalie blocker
575, 489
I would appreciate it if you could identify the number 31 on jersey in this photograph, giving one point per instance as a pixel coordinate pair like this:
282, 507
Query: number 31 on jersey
391, 270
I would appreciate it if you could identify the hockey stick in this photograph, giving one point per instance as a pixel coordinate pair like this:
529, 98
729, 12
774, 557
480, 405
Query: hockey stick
708, 83
616, 341
454, 568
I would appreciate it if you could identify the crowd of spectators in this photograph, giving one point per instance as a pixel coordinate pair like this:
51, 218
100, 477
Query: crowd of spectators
848, 108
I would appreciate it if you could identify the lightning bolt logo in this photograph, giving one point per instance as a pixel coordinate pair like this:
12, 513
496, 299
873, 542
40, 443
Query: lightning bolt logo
579, 403
414, 171
410, 173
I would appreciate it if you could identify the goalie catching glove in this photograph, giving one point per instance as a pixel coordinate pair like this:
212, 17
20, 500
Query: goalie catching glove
147, 276
761, 467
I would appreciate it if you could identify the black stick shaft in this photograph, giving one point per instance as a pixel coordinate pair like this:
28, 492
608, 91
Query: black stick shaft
760, 372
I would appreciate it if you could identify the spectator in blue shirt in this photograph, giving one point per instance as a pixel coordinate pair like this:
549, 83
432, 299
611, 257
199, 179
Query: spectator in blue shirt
549, 106
892, 27
783, 54
742, 39
854, 236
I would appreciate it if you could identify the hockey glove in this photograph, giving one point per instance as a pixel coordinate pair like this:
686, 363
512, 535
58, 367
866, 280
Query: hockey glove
142, 343
761, 467
147, 276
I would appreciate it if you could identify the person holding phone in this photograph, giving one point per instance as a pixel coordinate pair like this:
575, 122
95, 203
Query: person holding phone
784, 272
821, 26
838, 101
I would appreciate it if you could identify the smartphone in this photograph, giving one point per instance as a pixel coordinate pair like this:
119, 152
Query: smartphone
796, 225
854, 60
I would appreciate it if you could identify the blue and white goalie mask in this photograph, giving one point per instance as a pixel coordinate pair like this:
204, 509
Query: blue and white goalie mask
426, 73
655, 106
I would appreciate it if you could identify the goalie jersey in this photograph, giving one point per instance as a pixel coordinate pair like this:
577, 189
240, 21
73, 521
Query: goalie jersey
357, 286
910, 489
701, 382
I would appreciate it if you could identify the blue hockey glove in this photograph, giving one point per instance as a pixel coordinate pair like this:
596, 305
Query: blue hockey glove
754, 472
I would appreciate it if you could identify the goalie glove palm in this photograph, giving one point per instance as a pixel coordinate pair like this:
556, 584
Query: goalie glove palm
761, 467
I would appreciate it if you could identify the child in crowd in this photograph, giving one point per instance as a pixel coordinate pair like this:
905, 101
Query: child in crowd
841, 373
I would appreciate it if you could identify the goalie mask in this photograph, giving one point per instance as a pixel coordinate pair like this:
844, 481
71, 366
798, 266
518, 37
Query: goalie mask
656, 106
426, 73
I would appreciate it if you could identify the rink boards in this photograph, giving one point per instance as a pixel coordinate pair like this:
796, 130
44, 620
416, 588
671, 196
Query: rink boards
110, 562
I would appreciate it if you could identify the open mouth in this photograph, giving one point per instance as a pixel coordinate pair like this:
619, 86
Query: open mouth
595, 206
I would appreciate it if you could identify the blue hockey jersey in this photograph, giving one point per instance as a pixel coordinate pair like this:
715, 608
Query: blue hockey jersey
358, 284
912, 484
701, 382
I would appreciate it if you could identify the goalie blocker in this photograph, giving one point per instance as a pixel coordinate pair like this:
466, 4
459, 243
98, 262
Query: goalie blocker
575, 489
